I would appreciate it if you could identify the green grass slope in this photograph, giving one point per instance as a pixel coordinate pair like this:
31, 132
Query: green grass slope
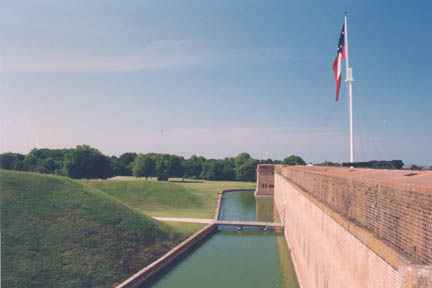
162, 198
58, 232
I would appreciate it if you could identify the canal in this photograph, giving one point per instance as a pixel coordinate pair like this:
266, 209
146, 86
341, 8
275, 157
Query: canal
236, 258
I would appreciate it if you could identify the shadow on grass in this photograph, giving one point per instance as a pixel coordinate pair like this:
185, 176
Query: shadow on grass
186, 181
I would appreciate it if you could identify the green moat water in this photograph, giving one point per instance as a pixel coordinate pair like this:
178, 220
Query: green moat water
236, 259
243, 206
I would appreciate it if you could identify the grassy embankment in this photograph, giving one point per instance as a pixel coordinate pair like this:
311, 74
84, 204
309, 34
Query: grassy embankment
58, 232
175, 198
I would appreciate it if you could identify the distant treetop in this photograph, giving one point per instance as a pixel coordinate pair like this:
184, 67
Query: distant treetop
84, 161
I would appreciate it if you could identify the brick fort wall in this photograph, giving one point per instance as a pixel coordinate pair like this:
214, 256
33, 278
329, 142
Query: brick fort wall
394, 210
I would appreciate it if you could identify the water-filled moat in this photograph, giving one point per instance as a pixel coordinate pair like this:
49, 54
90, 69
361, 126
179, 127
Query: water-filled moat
236, 258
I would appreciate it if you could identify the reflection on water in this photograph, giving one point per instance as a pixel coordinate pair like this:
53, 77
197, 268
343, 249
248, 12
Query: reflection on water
243, 206
264, 210
236, 259
286, 267
230, 259
238, 205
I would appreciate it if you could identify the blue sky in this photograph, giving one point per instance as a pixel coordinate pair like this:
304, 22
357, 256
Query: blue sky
216, 78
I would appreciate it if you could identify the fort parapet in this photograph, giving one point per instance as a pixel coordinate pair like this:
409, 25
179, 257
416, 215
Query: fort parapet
356, 227
265, 180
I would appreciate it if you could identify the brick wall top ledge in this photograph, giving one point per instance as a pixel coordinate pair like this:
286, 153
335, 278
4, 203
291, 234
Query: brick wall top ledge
419, 181
417, 276
391, 205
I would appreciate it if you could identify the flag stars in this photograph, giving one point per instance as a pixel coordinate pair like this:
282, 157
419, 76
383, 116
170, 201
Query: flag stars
337, 62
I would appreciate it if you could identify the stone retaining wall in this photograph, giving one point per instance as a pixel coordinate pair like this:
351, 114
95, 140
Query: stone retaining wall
152, 269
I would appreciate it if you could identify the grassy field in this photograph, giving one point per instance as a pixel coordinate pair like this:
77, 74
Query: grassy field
58, 232
174, 198
186, 228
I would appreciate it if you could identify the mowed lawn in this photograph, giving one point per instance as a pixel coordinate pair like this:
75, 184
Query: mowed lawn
58, 232
174, 198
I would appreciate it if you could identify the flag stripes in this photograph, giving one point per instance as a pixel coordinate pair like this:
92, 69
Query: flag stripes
337, 63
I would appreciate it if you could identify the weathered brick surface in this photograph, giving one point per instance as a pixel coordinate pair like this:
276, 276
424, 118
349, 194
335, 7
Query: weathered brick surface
416, 276
325, 252
395, 209
265, 180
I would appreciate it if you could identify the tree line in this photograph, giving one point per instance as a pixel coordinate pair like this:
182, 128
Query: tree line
84, 161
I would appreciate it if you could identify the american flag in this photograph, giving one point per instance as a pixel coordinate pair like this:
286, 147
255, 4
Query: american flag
337, 63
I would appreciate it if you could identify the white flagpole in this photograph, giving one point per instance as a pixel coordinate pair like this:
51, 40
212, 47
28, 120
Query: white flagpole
349, 79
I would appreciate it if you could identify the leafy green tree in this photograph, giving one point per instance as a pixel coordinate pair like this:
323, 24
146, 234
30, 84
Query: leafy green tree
47, 165
161, 166
30, 162
293, 160
168, 166
127, 157
377, 164
13, 161
193, 166
247, 171
267, 161
397, 164
416, 167
175, 166
118, 168
241, 158
87, 162
228, 170
144, 166
127, 162
44, 161
212, 170
329, 163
